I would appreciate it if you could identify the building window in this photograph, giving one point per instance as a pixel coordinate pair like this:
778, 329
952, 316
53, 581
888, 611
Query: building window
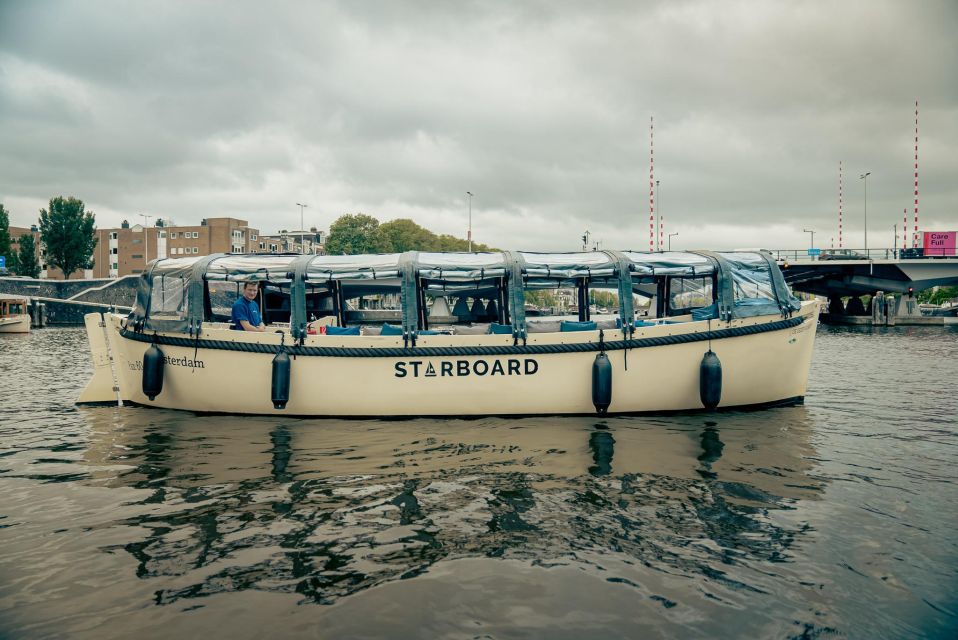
172, 235
162, 234
252, 236
113, 235
113, 251
116, 266
196, 250
137, 241
137, 256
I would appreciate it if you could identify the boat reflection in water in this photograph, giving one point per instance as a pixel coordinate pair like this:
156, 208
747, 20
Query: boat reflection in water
284, 506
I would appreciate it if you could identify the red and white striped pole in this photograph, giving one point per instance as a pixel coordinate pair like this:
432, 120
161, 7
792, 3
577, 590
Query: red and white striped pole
841, 185
651, 185
915, 241
904, 237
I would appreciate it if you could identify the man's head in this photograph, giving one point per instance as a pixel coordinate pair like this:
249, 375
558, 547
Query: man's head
250, 289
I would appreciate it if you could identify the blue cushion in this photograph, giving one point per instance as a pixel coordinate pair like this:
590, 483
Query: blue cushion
427, 332
705, 313
495, 327
390, 330
342, 331
570, 325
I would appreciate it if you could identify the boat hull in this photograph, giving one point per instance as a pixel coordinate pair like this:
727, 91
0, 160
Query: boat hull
459, 375
15, 324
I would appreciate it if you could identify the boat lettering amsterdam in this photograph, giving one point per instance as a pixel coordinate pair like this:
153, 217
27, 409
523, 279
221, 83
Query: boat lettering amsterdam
190, 363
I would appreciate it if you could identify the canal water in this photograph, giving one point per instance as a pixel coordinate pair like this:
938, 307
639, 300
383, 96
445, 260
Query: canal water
833, 519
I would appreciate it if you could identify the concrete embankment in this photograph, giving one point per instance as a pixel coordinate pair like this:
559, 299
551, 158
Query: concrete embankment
65, 302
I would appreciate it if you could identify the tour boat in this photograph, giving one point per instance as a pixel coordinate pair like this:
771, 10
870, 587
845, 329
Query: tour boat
695, 330
13, 314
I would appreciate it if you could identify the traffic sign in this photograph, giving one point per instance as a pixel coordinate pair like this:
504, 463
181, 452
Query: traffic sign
3, 262
814, 252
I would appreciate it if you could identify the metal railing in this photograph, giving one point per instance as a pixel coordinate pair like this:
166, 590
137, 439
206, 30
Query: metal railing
887, 253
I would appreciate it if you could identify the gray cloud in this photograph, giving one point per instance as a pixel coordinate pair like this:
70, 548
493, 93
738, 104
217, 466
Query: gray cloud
542, 109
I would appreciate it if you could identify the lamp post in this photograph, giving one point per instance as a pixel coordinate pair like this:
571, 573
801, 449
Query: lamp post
864, 178
812, 245
469, 232
302, 233
146, 238
670, 239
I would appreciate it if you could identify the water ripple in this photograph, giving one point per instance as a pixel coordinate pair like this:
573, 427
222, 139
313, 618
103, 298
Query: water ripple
828, 519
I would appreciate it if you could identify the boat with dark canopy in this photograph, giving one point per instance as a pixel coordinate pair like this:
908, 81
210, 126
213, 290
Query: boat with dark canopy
396, 335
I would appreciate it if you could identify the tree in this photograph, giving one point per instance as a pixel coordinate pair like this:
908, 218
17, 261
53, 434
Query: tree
405, 235
355, 234
5, 237
937, 295
27, 264
68, 233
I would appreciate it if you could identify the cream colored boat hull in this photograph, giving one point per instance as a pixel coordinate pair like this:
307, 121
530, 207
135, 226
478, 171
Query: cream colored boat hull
15, 324
761, 368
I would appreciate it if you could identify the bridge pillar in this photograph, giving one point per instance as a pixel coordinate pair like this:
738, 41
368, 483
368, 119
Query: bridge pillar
908, 307
878, 309
891, 306
836, 306
855, 307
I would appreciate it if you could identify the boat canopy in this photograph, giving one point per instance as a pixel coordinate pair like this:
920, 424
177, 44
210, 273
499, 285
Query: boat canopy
173, 294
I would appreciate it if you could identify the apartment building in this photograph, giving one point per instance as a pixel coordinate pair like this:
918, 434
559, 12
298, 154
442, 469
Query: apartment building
295, 241
128, 249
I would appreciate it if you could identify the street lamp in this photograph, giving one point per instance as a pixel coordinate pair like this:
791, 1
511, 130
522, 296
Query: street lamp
302, 227
670, 239
146, 238
864, 177
812, 245
469, 233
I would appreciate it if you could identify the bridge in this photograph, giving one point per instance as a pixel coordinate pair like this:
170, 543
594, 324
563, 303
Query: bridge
861, 273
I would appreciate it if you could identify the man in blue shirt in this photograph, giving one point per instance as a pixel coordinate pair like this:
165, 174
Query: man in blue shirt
245, 314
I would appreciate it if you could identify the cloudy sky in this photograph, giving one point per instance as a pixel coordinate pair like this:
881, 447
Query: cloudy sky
187, 110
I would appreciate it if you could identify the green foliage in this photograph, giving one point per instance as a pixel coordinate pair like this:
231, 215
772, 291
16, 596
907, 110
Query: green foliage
405, 235
938, 295
541, 298
356, 234
446, 242
360, 233
27, 264
604, 299
5, 236
13, 262
68, 233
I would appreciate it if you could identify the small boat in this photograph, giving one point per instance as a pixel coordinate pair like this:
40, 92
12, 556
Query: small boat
946, 310
13, 314
726, 332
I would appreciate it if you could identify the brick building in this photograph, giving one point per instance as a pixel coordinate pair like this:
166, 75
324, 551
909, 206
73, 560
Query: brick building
128, 249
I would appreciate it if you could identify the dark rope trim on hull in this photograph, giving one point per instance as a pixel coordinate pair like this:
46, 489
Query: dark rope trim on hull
491, 350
